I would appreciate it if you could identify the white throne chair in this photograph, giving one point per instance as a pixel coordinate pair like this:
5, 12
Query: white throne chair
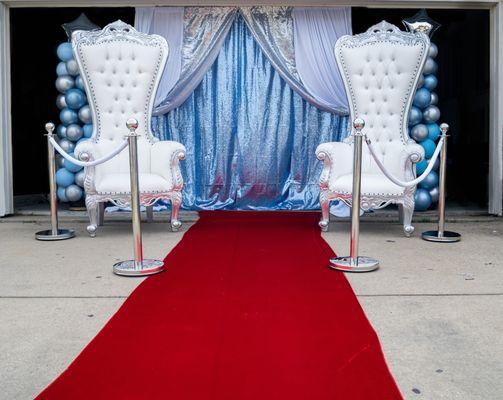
121, 69
380, 69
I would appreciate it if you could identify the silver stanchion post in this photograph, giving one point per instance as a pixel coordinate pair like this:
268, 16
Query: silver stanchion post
354, 262
55, 233
441, 235
139, 266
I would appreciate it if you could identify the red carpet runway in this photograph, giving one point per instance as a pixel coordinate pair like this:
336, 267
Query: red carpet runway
247, 310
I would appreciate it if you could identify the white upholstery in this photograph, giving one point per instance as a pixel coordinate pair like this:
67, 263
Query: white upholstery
380, 70
121, 69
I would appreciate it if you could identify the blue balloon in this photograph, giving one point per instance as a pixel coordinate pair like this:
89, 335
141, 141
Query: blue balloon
433, 131
64, 51
421, 166
62, 195
88, 130
71, 166
61, 69
415, 116
429, 147
64, 178
430, 82
61, 131
422, 98
430, 181
68, 116
422, 199
75, 98
79, 83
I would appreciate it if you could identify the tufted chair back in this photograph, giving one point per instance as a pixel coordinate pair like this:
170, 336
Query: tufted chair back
121, 69
380, 70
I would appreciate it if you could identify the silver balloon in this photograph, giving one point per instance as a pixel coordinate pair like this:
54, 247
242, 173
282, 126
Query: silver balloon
433, 50
419, 132
430, 66
67, 145
434, 194
79, 178
59, 161
74, 132
85, 115
73, 193
420, 81
72, 67
64, 82
61, 101
434, 98
431, 114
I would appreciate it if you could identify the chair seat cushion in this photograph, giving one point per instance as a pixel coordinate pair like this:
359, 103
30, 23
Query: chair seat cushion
120, 183
372, 184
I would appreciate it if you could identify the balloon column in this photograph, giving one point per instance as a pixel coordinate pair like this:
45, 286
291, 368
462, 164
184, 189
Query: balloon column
424, 114
75, 115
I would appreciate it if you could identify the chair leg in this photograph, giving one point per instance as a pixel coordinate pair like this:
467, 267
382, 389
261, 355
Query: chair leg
408, 211
325, 213
101, 213
176, 202
150, 213
92, 206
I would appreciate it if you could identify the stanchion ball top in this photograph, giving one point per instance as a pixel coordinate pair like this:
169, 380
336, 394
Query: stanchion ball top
49, 127
132, 124
358, 124
444, 127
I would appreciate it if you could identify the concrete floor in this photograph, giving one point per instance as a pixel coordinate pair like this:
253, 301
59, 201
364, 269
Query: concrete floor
436, 307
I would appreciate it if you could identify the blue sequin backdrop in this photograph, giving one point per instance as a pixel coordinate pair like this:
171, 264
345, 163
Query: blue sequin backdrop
250, 139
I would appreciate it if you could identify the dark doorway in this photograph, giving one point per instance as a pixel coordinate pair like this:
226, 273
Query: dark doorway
35, 35
463, 91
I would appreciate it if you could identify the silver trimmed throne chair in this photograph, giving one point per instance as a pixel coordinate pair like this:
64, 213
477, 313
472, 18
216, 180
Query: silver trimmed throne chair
121, 69
380, 69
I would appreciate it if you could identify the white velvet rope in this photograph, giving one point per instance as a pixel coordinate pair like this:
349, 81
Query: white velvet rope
92, 163
419, 178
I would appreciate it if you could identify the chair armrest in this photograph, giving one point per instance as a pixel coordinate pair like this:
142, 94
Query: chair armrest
337, 158
414, 152
87, 147
165, 159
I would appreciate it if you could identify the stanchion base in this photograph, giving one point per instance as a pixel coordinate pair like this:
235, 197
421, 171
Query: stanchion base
133, 268
348, 264
62, 234
446, 237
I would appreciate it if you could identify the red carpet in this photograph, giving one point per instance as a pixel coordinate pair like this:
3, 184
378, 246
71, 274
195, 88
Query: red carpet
247, 310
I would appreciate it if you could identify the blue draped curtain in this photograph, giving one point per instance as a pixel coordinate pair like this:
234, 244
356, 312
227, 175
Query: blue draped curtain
250, 138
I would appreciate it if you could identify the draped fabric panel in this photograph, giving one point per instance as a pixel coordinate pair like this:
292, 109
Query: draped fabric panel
168, 23
316, 31
250, 138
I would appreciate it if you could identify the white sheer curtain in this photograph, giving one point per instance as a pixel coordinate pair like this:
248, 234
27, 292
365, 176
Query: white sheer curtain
168, 23
315, 32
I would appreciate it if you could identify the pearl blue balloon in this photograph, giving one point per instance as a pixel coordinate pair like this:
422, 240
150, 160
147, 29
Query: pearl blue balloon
62, 195
64, 178
75, 98
429, 147
88, 130
430, 82
79, 83
61, 69
430, 67
61, 131
421, 167
68, 116
71, 166
422, 199
415, 116
64, 51
430, 181
433, 131
422, 98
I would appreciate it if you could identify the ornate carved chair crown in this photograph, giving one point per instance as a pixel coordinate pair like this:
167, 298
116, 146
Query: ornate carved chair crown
380, 69
121, 69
